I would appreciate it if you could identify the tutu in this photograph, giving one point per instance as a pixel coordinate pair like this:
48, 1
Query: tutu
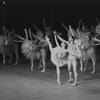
6, 49
30, 50
2, 43
58, 57
2, 40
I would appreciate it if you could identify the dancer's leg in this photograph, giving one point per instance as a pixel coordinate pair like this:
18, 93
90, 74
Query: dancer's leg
58, 74
70, 72
74, 64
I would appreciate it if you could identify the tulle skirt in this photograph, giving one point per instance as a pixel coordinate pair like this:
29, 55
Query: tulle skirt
30, 51
59, 59
2, 43
6, 49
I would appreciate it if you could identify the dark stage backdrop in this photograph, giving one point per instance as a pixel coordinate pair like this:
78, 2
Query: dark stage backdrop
20, 14
24, 13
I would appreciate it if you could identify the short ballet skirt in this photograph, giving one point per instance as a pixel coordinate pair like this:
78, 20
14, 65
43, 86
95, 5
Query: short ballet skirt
30, 51
6, 49
59, 58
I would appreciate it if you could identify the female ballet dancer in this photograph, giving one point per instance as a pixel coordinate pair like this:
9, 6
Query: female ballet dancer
74, 52
60, 52
33, 50
58, 57
8, 46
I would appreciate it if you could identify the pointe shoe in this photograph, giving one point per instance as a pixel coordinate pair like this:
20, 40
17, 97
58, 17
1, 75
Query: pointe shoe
4, 62
58, 82
93, 71
74, 84
10, 61
31, 69
81, 69
84, 70
40, 67
16, 63
43, 71
70, 80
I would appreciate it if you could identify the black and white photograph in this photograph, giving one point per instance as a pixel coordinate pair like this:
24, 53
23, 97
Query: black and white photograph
49, 49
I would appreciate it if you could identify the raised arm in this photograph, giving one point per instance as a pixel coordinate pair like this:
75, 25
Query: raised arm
30, 34
20, 37
26, 33
55, 36
48, 41
35, 36
61, 39
7, 30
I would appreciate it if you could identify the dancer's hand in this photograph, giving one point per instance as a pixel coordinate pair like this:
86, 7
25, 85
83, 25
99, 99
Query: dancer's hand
55, 33
47, 38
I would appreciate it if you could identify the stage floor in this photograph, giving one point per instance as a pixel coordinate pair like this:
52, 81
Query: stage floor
19, 83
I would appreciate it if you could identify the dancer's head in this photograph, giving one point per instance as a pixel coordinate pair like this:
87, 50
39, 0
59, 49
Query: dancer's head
71, 38
55, 33
62, 44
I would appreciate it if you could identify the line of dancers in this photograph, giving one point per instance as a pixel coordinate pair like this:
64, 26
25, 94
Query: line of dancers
80, 45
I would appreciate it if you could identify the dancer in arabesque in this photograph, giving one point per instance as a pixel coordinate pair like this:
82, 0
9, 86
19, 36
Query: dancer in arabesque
60, 58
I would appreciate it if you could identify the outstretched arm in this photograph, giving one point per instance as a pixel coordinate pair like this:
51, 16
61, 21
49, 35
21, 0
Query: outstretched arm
35, 36
26, 33
7, 30
61, 39
56, 41
48, 41
20, 37
30, 34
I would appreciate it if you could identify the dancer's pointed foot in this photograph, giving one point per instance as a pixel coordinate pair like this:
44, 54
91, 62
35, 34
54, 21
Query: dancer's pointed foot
74, 84
70, 80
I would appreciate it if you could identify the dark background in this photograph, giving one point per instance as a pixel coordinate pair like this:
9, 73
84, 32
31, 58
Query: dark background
24, 13
20, 14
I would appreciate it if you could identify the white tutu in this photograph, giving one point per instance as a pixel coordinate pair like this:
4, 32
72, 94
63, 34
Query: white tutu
6, 49
58, 57
30, 50
2, 42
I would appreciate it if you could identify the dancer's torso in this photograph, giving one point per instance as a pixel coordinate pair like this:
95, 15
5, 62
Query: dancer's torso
71, 48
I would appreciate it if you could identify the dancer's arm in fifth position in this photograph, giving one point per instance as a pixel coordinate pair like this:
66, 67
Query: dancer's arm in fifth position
7, 30
48, 41
61, 39
55, 36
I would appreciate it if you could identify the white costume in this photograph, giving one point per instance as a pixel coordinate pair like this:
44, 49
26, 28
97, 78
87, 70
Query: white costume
28, 50
58, 57
5, 48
